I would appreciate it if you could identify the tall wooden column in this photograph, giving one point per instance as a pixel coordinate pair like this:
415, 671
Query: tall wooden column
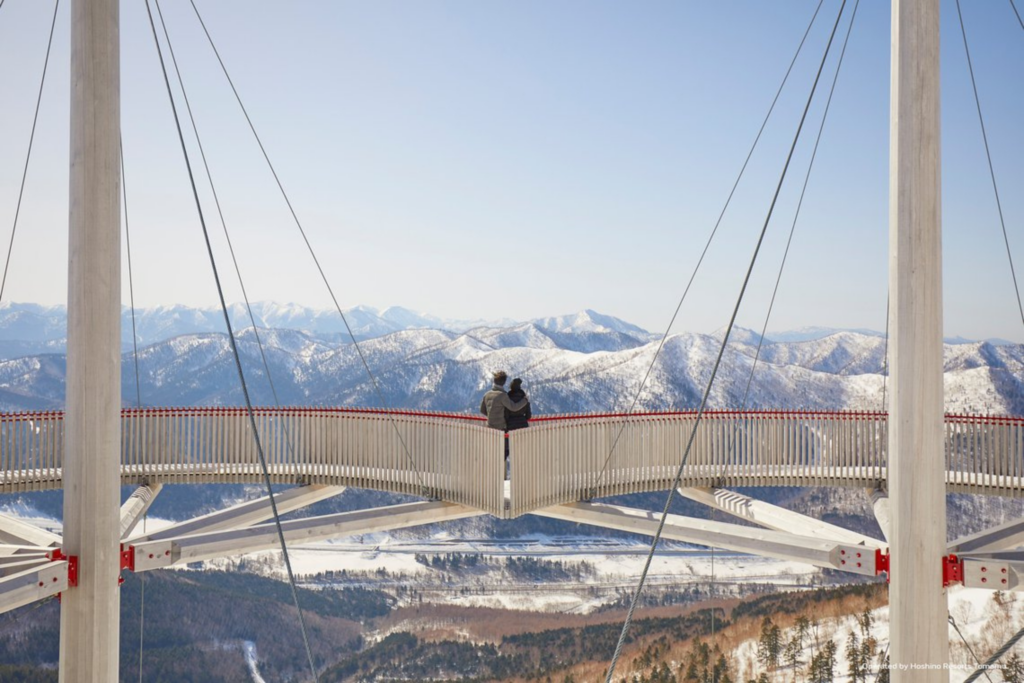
919, 646
90, 618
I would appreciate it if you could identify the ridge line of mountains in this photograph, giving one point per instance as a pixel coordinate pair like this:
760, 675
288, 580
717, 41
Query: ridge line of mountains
574, 363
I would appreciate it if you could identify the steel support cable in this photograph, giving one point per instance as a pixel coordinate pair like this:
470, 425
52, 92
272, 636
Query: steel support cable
1019, 20
952, 622
31, 141
996, 656
234, 349
885, 352
707, 245
988, 157
792, 229
138, 390
131, 285
224, 227
799, 205
323, 276
721, 352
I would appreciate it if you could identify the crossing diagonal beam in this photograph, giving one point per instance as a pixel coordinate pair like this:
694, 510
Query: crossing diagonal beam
17, 532
136, 506
774, 517
1001, 537
245, 514
858, 559
880, 506
156, 554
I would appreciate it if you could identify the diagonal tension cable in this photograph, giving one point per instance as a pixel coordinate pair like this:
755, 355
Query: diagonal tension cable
138, 390
131, 285
312, 253
234, 349
1019, 20
952, 622
800, 203
224, 227
28, 155
707, 245
792, 228
996, 656
718, 359
988, 157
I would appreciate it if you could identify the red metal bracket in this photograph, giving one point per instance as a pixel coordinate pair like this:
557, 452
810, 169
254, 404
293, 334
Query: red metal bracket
56, 555
952, 570
127, 558
882, 564
127, 562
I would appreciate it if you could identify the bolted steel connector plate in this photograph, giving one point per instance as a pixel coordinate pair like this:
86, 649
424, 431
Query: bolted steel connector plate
988, 574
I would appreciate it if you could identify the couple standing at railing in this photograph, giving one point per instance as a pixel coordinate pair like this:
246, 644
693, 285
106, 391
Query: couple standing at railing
506, 411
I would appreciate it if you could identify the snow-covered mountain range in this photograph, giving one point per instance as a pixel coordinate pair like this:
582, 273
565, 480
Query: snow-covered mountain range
33, 328
574, 363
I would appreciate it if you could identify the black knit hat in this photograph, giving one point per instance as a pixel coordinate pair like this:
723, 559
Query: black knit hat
516, 383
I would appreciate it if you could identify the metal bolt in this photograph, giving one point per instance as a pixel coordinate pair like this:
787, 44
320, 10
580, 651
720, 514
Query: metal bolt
984, 580
1004, 570
151, 556
858, 554
842, 561
1004, 582
167, 553
984, 569
858, 564
842, 552
40, 584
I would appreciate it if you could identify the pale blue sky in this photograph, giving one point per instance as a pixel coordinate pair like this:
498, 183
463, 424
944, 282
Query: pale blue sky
483, 160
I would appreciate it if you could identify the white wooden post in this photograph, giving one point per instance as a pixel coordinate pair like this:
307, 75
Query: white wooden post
90, 613
919, 647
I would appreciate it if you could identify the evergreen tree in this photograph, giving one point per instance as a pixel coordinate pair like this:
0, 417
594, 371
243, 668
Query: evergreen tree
883, 669
854, 659
865, 622
803, 627
823, 664
769, 645
1013, 670
792, 654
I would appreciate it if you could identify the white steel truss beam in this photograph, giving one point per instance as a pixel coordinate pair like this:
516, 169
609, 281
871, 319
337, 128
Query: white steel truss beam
30, 585
245, 514
17, 532
136, 506
858, 559
19, 563
1001, 537
774, 517
155, 554
23, 550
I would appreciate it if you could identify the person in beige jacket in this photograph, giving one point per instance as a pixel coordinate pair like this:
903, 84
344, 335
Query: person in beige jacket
496, 401
494, 404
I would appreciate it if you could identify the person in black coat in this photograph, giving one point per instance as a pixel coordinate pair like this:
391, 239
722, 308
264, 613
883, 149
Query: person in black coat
520, 418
